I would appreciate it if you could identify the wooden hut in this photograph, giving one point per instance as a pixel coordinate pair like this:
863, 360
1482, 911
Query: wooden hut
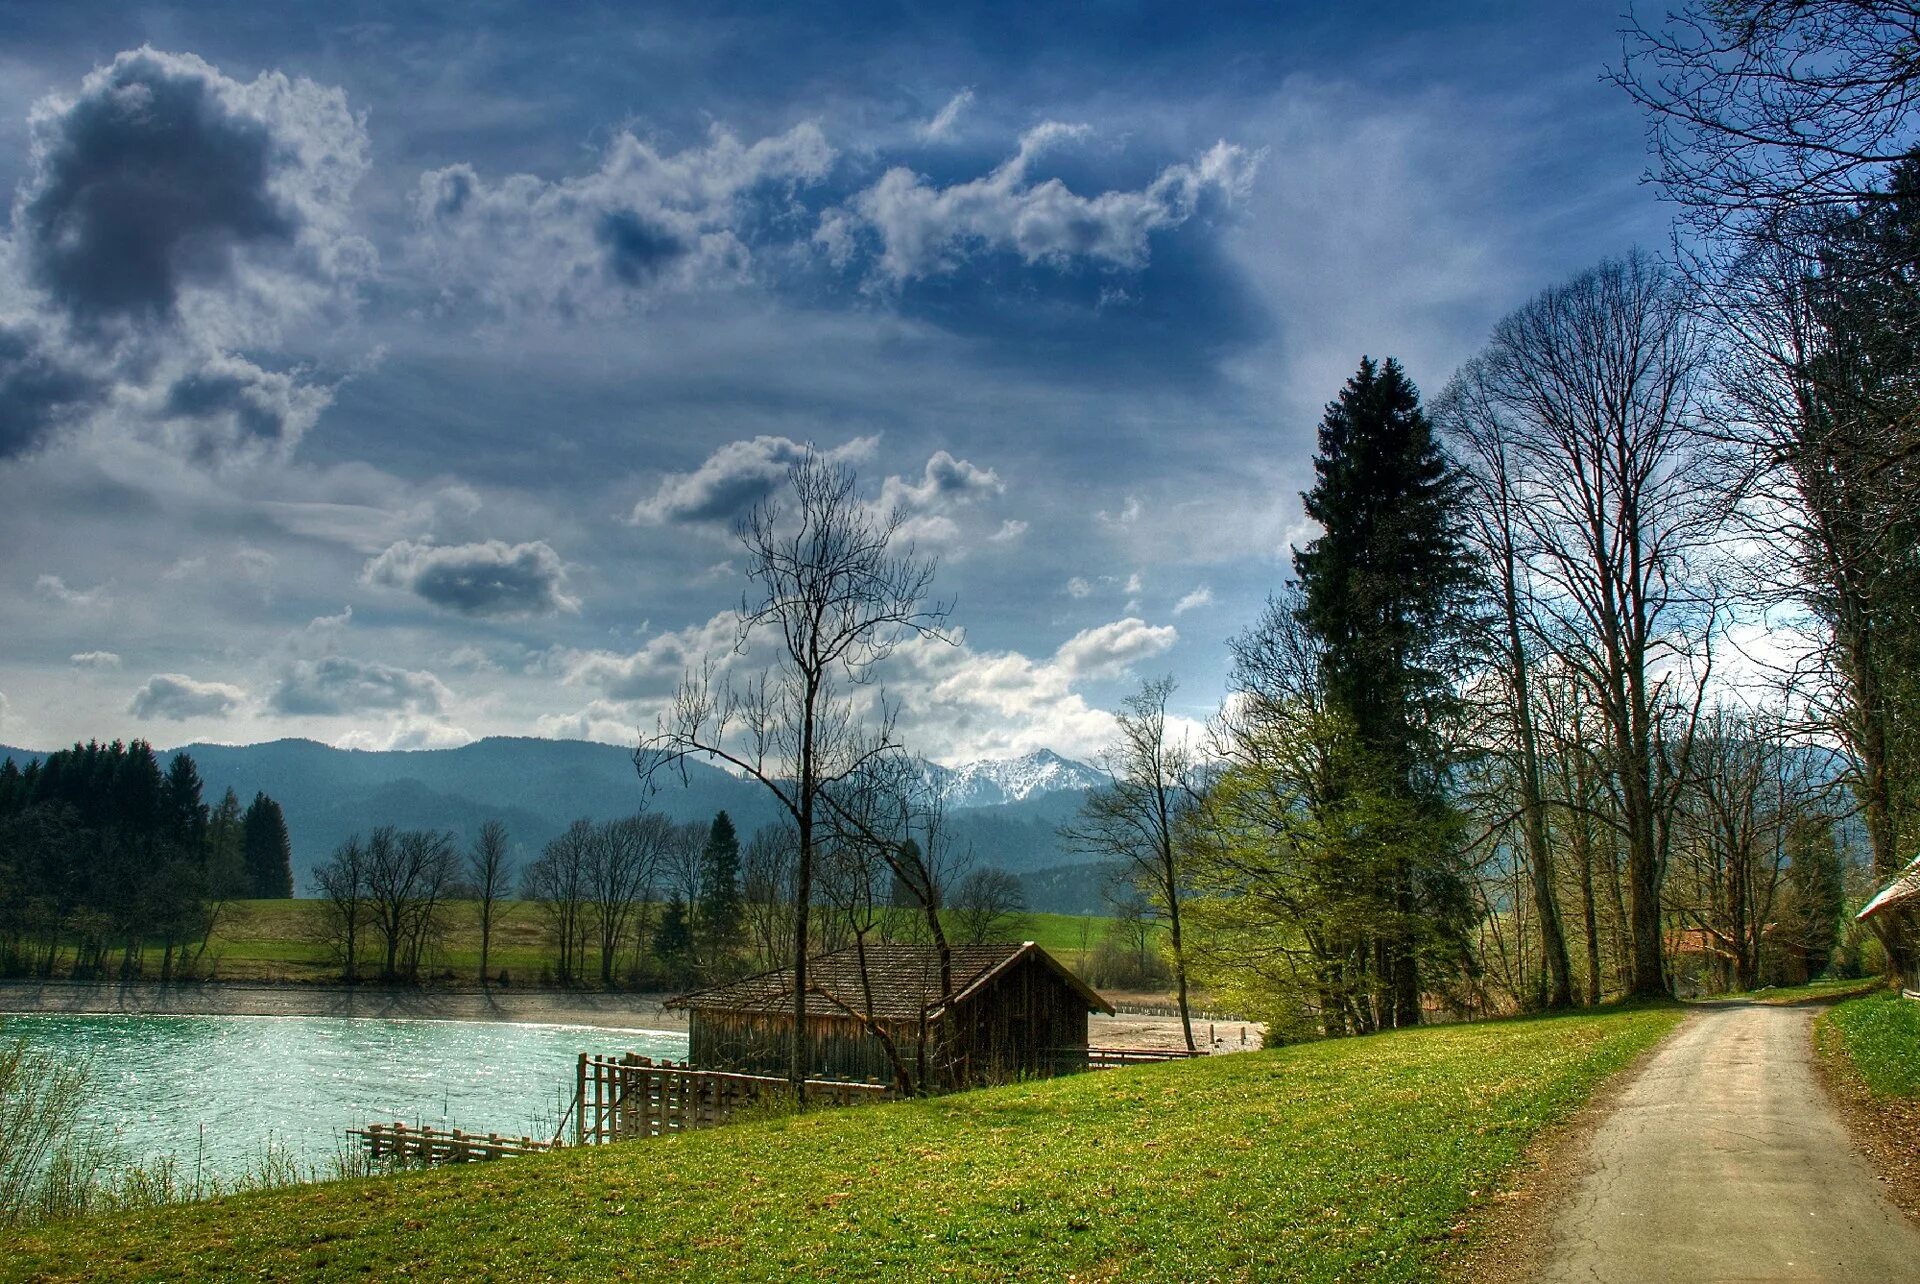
1894, 916
1011, 1011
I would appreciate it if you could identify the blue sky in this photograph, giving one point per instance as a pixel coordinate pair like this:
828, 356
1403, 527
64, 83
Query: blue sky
389, 374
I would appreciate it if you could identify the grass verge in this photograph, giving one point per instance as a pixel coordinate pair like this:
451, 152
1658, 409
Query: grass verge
1361, 1157
1870, 1058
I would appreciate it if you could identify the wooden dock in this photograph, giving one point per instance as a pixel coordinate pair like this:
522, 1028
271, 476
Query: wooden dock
630, 1097
441, 1145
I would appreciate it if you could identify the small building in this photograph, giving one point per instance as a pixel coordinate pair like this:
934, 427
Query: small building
1012, 1011
1894, 916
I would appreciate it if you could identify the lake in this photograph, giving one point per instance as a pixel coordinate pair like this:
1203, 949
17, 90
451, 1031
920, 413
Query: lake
175, 1084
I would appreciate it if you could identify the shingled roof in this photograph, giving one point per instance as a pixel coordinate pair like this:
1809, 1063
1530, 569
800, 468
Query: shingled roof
905, 981
1904, 887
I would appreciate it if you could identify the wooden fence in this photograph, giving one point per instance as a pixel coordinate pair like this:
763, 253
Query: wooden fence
441, 1146
1109, 1058
619, 1099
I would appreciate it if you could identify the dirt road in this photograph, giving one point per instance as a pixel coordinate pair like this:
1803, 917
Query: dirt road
1723, 1160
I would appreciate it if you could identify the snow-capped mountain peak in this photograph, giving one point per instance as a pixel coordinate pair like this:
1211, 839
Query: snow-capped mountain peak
993, 782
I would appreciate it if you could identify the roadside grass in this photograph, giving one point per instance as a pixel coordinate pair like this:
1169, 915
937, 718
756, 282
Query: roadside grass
1880, 1036
282, 941
1335, 1160
1825, 990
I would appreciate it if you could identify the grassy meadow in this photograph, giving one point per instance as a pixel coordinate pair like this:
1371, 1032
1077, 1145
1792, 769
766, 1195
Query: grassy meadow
282, 941
1336, 1160
1879, 1035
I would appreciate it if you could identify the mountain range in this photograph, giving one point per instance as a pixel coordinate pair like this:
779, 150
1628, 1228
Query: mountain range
1006, 812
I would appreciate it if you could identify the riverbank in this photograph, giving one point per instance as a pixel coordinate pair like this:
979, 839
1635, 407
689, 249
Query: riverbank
610, 1010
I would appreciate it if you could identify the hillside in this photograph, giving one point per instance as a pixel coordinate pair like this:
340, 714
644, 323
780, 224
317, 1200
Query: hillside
1006, 814
1334, 1160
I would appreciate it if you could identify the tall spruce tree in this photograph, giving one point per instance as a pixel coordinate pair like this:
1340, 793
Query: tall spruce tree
719, 912
1383, 591
226, 849
267, 852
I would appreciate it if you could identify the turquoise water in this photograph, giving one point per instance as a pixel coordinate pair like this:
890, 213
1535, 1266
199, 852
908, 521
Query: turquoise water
217, 1091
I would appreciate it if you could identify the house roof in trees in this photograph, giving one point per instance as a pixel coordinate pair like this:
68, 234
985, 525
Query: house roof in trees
1904, 888
905, 980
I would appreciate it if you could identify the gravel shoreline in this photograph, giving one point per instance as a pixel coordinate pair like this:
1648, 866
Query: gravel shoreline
145, 998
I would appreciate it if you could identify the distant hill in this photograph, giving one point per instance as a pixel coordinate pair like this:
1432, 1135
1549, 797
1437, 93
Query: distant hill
1007, 813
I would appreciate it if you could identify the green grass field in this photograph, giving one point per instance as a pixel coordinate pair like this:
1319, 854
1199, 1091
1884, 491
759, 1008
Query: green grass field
282, 941
1880, 1035
1338, 1160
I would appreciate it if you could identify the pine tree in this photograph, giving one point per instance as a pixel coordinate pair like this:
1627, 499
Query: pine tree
226, 849
673, 938
185, 814
267, 852
1383, 590
719, 911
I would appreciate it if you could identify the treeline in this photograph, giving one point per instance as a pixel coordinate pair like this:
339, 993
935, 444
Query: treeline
103, 855
638, 902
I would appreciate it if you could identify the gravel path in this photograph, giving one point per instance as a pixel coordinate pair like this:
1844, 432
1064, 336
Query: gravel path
1723, 1160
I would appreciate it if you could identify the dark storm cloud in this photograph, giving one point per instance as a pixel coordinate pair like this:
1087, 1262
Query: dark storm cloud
39, 390
732, 480
491, 579
149, 182
336, 684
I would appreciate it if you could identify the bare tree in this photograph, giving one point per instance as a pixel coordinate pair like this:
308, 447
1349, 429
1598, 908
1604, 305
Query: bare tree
1138, 816
490, 867
558, 882
766, 878
1601, 380
989, 905
623, 859
1762, 106
407, 873
834, 599
341, 884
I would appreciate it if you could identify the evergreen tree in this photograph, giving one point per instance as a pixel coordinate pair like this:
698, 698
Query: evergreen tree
719, 911
185, 815
226, 849
266, 851
673, 938
1382, 594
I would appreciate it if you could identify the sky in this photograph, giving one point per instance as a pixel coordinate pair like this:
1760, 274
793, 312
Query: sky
392, 375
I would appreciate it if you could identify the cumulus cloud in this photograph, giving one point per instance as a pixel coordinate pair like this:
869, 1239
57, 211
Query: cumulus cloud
947, 117
1109, 650
644, 221
1079, 586
171, 215
1010, 530
1202, 596
336, 684
733, 479
926, 230
656, 668
55, 589
94, 660
407, 732
176, 697
491, 579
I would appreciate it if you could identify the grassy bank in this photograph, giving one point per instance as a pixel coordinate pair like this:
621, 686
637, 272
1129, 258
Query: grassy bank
283, 941
1322, 1161
1879, 1036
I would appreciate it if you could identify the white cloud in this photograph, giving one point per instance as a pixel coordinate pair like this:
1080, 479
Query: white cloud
643, 222
407, 732
734, 478
927, 230
656, 668
1010, 530
941, 126
491, 579
1079, 586
1202, 596
1109, 650
176, 697
55, 589
94, 660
